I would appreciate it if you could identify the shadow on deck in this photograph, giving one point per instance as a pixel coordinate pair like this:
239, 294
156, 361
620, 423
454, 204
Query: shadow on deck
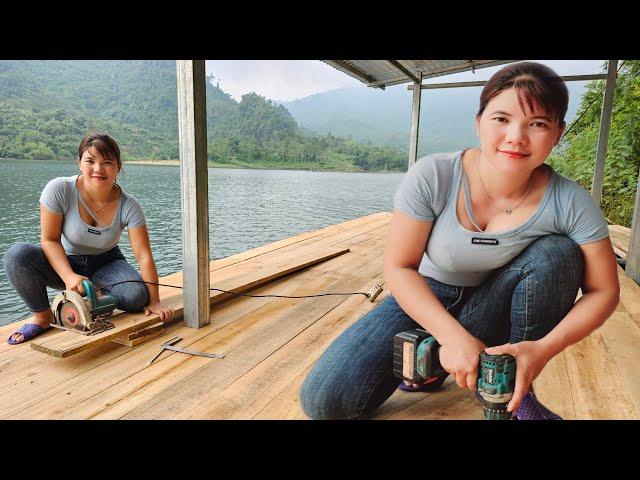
270, 345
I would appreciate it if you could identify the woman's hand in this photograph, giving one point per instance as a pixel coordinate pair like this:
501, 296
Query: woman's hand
530, 360
74, 282
461, 359
165, 313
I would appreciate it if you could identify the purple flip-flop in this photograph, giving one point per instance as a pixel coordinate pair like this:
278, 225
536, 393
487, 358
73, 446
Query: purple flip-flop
531, 409
28, 331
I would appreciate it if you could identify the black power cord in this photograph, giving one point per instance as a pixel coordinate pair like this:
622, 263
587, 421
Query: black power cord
370, 295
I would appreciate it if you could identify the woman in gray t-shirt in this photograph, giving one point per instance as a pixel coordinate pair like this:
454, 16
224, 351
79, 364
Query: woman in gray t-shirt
487, 250
82, 218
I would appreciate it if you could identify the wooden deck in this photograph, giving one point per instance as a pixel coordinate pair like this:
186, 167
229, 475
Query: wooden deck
270, 345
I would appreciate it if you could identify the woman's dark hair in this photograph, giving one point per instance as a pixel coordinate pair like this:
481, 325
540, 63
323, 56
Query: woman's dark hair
104, 145
535, 84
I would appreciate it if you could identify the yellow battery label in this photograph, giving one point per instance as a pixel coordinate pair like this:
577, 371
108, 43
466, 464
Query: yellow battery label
407, 360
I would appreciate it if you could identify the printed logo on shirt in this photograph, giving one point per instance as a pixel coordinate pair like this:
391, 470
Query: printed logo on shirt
484, 241
95, 232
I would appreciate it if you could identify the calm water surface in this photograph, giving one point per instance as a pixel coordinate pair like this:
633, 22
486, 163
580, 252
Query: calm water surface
247, 208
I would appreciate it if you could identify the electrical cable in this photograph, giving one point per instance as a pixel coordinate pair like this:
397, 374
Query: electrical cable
368, 295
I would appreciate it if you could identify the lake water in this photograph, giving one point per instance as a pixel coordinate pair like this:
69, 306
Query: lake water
247, 208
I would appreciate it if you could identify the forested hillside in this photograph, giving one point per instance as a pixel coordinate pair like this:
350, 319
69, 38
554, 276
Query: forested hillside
576, 155
47, 106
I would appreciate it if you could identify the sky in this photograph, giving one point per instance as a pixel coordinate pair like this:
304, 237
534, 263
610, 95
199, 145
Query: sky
286, 80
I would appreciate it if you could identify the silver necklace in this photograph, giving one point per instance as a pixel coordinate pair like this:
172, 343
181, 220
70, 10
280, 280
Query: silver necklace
508, 211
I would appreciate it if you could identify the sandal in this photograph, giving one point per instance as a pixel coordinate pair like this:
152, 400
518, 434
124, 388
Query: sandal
430, 385
531, 409
28, 331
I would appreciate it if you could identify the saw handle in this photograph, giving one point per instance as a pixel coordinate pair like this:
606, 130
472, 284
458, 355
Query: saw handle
89, 291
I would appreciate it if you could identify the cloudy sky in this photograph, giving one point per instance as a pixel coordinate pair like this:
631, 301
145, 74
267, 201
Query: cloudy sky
286, 80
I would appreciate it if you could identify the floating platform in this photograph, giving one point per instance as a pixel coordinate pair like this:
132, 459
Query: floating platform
271, 343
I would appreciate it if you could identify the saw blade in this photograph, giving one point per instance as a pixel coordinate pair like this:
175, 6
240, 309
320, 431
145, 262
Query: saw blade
73, 312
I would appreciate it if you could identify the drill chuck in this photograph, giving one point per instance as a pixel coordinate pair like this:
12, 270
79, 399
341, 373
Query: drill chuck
496, 384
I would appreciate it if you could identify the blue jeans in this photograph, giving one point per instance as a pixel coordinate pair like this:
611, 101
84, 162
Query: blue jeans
29, 272
523, 300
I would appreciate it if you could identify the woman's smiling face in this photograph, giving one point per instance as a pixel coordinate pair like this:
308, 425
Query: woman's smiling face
97, 170
514, 140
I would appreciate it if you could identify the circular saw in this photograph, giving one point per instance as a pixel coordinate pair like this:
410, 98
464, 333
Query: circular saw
85, 315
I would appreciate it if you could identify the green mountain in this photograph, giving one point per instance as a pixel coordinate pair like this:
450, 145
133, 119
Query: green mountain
46, 107
384, 117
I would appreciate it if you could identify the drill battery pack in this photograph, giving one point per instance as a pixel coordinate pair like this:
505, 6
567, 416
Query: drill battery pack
405, 354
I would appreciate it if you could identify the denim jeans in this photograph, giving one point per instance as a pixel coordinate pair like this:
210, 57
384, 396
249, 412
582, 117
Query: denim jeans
29, 272
523, 300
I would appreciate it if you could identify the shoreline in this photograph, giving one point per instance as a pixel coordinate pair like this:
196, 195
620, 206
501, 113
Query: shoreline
176, 163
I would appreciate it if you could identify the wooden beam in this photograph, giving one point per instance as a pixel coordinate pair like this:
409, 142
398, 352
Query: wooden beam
415, 124
65, 344
633, 256
482, 83
192, 131
603, 138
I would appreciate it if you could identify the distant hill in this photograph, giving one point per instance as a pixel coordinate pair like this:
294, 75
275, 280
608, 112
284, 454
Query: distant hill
384, 117
46, 107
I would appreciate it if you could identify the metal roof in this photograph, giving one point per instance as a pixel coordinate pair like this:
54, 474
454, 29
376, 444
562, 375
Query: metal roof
383, 73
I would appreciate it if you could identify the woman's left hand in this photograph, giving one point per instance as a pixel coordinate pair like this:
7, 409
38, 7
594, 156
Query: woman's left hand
530, 360
165, 313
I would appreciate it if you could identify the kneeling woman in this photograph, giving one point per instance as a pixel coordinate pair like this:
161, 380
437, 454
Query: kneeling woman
487, 248
81, 219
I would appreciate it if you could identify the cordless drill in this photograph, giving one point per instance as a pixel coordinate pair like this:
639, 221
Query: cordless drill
416, 358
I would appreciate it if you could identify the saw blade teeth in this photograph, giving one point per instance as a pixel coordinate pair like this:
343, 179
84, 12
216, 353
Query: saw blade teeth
72, 311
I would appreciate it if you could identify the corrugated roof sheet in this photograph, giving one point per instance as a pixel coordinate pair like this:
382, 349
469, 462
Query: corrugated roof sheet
383, 73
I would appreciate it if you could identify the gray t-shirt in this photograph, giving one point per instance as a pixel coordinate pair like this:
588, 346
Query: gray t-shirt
61, 195
458, 256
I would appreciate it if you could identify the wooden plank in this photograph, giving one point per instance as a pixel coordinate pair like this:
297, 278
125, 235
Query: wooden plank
138, 340
156, 327
597, 387
450, 403
622, 338
245, 351
553, 387
113, 389
65, 344
629, 293
63, 385
30, 377
252, 392
246, 342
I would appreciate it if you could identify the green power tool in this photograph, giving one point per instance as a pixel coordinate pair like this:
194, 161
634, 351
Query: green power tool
416, 358
86, 316
496, 383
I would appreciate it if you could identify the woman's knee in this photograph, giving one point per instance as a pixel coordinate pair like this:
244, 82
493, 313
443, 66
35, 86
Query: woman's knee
19, 256
322, 400
556, 255
131, 297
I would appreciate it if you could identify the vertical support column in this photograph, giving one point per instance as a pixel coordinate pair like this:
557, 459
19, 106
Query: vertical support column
603, 138
415, 122
192, 132
633, 256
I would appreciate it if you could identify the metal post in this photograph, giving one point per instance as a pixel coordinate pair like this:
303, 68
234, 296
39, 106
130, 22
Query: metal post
603, 138
192, 133
633, 255
415, 123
